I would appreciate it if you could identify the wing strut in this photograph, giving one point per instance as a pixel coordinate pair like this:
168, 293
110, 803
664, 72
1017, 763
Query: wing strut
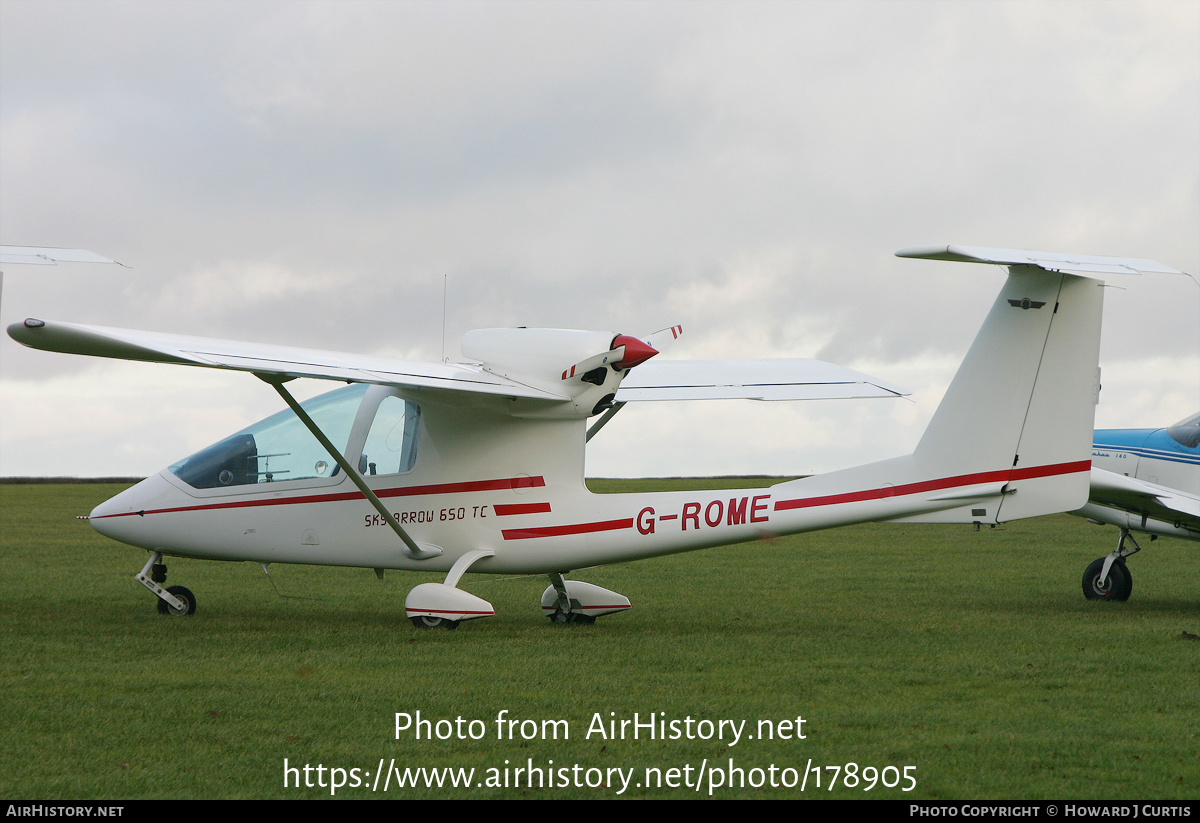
599, 424
411, 547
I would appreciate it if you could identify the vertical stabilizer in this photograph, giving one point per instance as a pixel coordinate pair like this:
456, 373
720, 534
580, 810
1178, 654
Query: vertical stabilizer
1021, 408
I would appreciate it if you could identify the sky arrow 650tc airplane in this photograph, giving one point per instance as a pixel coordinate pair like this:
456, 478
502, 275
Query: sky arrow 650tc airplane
479, 466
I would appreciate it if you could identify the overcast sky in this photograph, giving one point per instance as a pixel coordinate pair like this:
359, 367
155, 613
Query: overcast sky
313, 174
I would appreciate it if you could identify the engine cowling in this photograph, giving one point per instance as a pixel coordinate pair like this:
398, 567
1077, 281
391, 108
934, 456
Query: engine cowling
584, 367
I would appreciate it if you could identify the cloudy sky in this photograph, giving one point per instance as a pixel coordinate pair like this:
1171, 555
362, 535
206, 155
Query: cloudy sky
315, 173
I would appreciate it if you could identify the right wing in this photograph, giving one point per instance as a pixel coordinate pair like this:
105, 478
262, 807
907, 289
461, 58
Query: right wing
773, 379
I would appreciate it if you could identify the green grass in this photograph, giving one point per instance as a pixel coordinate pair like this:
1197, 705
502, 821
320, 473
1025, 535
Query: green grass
972, 657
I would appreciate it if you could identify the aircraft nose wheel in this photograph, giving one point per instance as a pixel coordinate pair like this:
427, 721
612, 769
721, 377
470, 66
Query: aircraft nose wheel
426, 622
1118, 586
181, 593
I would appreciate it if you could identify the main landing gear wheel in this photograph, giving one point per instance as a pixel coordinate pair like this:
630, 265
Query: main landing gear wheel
559, 617
1118, 586
189, 602
423, 622
568, 602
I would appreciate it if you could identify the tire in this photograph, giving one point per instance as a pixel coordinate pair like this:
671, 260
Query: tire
1118, 587
423, 622
560, 618
189, 602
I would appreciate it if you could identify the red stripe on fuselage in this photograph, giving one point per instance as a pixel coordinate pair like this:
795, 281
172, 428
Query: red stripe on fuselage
935, 485
574, 528
504, 509
404, 491
829, 500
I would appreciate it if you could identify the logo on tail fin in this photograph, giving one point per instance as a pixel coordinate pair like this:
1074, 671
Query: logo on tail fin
1026, 303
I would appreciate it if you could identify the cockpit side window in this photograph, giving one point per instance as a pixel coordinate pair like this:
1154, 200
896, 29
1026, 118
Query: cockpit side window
277, 449
1186, 432
391, 445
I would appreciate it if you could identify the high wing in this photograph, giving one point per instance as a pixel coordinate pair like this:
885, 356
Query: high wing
776, 379
1141, 497
263, 358
779, 379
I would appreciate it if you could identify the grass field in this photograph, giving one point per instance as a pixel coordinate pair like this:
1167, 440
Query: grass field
972, 657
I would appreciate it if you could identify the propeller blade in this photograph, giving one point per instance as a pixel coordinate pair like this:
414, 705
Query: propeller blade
663, 338
596, 361
625, 353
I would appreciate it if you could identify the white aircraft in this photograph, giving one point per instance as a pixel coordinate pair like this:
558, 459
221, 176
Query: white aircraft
1143, 480
479, 466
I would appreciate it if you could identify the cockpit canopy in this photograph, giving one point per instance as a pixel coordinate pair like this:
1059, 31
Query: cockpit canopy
1186, 432
281, 448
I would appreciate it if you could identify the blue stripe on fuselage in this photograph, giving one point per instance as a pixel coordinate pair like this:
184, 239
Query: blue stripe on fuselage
1154, 444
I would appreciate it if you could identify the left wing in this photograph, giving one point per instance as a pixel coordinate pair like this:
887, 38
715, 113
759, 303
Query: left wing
775, 379
263, 358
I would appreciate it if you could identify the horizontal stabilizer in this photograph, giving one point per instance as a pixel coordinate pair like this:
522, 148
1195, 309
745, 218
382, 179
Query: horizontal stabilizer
1083, 264
774, 379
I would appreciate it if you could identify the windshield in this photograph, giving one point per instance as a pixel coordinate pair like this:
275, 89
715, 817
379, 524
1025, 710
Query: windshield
278, 448
391, 446
1186, 432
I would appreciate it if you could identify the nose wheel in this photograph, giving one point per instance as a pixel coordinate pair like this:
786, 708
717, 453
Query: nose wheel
184, 596
174, 601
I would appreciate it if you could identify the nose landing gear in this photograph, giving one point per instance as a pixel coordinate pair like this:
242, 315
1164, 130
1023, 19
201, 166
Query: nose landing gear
175, 600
